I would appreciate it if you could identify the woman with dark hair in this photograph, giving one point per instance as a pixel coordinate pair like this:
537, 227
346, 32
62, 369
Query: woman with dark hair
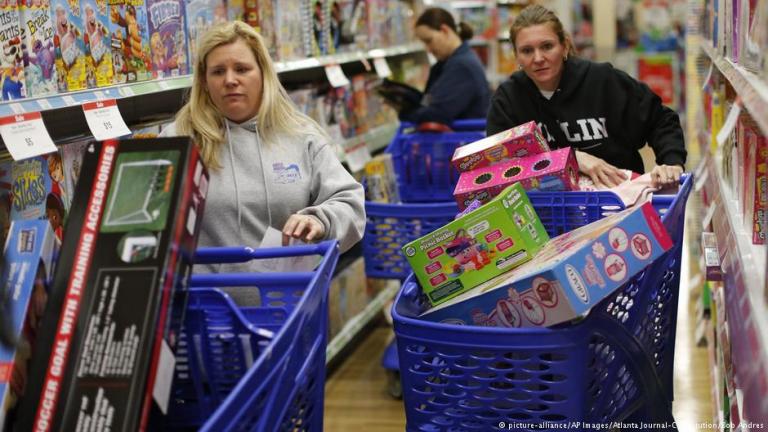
457, 87
603, 113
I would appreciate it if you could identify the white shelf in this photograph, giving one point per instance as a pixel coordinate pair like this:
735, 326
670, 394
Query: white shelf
469, 4
375, 139
359, 321
752, 89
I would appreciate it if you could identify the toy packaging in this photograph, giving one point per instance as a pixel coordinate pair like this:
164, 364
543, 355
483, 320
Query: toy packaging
711, 255
11, 53
517, 142
470, 250
167, 37
6, 196
39, 191
98, 43
201, 16
290, 43
756, 182
40, 72
235, 10
266, 24
72, 161
571, 274
549, 171
130, 41
380, 180
28, 266
70, 45
118, 298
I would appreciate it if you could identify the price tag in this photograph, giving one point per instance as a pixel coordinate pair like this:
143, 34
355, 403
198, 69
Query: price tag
104, 120
357, 154
25, 135
163, 85
382, 67
730, 123
69, 100
366, 64
17, 108
126, 91
99, 95
44, 104
336, 76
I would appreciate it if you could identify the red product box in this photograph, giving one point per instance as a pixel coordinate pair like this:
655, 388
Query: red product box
550, 171
105, 353
519, 141
756, 186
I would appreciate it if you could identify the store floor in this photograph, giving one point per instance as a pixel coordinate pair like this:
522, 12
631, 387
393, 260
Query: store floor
356, 397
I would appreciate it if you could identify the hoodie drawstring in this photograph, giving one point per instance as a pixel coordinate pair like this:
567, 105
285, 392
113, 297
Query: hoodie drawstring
234, 178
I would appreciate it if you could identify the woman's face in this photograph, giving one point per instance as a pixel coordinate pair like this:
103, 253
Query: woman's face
436, 41
541, 54
233, 80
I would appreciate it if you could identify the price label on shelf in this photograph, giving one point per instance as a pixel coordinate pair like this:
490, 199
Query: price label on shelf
382, 67
44, 104
69, 100
336, 76
357, 154
104, 119
25, 135
730, 123
17, 108
126, 91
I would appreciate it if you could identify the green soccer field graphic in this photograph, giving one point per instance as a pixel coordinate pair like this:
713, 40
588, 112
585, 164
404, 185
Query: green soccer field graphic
140, 193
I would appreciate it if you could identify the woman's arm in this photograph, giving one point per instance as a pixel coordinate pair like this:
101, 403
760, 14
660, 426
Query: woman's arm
449, 96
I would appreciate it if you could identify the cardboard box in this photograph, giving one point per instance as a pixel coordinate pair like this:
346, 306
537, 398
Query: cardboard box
756, 182
27, 270
519, 141
472, 249
117, 301
571, 274
549, 171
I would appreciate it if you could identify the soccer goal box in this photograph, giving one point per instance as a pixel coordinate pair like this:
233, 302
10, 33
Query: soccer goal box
106, 354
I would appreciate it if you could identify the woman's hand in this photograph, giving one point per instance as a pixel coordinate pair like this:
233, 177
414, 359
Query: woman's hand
601, 172
306, 228
666, 175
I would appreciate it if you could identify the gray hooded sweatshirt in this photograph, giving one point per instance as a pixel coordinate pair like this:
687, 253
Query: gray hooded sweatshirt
261, 185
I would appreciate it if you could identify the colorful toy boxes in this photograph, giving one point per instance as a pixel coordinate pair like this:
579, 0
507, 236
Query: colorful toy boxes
572, 273
474, 248
550, 171
517, 142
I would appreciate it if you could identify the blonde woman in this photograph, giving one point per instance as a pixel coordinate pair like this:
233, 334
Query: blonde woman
270, 165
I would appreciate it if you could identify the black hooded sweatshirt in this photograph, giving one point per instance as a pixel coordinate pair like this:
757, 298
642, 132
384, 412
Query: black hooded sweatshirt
596, 109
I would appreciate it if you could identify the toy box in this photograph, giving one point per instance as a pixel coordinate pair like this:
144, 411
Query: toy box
130, 40
39, 54
98, 43
549, 171
380, 180
201, 16
501, 235
69, 44
29, 260
118, 297
517, 142
167, 37
571, 274
39, 190
756, 182
11, 54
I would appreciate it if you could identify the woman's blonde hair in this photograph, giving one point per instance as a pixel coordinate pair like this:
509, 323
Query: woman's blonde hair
535, 15
199, 117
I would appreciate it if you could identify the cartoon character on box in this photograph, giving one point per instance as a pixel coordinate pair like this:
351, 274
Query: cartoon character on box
468, 254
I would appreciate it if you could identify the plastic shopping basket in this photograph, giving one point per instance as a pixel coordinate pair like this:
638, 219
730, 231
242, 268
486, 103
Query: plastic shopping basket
614, 365
422, 160
254, 368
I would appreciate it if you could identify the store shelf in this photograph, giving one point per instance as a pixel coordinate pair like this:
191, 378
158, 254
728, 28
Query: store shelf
744, 265
752, 89
375, 139
469, 4
359, 321
349, 57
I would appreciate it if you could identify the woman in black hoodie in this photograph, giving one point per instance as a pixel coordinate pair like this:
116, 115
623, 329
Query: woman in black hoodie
603, 113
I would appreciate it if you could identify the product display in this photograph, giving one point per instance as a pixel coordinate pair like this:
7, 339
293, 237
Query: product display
520, 141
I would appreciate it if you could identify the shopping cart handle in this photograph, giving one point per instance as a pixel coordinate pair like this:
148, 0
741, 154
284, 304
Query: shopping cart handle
236, 254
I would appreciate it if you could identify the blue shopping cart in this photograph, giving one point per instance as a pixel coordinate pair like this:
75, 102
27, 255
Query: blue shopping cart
614, 365
254, 368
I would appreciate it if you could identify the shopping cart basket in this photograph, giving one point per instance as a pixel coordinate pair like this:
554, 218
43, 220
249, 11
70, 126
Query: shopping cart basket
422, 160
254, 368
613, 365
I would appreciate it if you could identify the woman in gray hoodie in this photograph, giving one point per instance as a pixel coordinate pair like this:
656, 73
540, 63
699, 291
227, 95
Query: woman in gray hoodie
270, 165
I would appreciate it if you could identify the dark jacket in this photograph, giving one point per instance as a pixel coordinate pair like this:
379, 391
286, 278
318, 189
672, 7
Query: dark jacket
596, 109
456, 89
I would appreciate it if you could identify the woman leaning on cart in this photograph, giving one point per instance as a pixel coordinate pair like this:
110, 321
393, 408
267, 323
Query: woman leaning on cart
602, 112
270, 165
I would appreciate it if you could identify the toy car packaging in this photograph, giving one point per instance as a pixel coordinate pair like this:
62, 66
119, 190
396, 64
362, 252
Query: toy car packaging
105, 350
570, 275
549, 171
517, 142
478, 246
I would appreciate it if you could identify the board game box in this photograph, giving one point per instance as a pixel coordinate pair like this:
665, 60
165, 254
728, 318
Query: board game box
11, 55
167, 37
130, 40
98, 43
69, 44
40, 72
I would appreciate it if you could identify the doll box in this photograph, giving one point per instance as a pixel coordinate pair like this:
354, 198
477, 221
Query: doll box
570, 275
470, 250
519, 141
29, 260
549, 171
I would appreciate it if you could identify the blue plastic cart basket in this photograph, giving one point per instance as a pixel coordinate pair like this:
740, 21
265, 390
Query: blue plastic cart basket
254, 368
422, 160
614, 365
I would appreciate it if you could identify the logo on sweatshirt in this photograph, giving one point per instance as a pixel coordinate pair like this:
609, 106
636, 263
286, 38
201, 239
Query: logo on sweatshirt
588, 129
285, 174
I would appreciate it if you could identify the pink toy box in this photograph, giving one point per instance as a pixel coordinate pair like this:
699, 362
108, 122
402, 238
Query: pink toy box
570, 275
520, 141
550, 171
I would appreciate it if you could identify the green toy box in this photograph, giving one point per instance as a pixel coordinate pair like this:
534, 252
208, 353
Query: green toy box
497, 237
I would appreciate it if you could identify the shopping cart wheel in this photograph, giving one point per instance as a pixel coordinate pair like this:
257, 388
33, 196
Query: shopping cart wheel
394, 387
